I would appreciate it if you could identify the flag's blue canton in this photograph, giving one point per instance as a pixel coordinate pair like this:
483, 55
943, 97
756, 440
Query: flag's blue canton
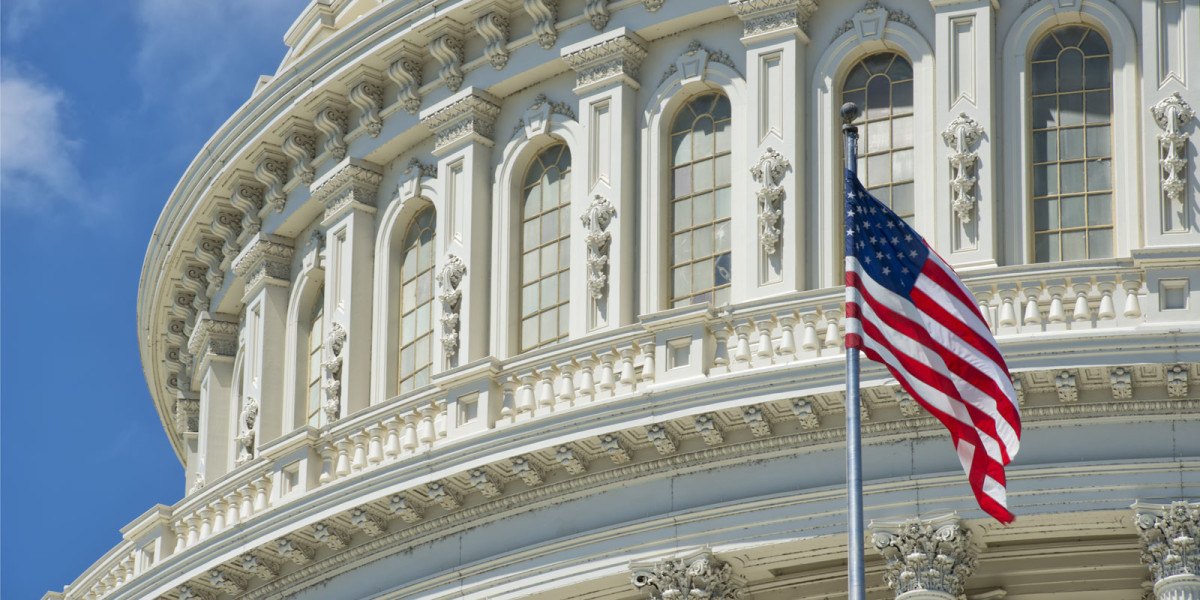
890, 251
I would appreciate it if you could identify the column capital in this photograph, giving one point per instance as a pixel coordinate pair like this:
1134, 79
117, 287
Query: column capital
351, 184
765, 19
266, 259
213, 338
697, 575
926, 559
466, 117
613, 57
1169, 534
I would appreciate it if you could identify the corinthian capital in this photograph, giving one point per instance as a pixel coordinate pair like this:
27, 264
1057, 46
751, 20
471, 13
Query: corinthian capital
698, 575
468, 116
925, 559
605, 59
1169, 534
353, 182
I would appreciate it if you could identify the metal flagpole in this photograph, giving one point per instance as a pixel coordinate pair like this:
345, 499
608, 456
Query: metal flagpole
854, 511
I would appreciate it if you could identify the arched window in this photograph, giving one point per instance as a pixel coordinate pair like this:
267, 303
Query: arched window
316, 340
700, 202
1071, 108
882, 86
545, 248
416, 303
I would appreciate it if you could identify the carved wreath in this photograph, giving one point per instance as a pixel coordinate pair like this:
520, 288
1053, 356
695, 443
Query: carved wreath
768, 172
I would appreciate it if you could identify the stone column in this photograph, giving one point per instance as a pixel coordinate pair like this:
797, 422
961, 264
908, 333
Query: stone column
265, 264
967, 207
606, 68
925, 559
776, 47
464, 126
348, 194
214, 344
1169, 534
697, 575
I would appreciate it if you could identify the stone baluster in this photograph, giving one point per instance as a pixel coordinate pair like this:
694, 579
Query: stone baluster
566, 383
1033, 312
408, 438
180, 529
262, 492
392, 447
587, 378
344, 447
439, 418
1169, 534
647, 349
193, 529
1056, 313
1081, 312
925, 559
766, 348
375, 446
328, 460
359, 462
809, 341
608, 378
1108, 311
741, 350
233, 513
219, 509
508, 407
982, 299
1132, 309
787, 336
721, 346
833, 335
1008, 311
206, 522
426, 434
525, 400
628, 375
246, 491
545, 388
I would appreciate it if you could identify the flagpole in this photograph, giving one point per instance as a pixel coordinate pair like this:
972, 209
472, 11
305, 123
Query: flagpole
856, 580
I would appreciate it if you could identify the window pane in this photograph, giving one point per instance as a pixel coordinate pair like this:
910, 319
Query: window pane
1045, 112
702, 138
1045, 146
1096, 73
722, 201
1074, 245
722, 170
1071, 177
681, 148
1045, 214
533, 201
879, 97
1072, 211
702, 239
1043, 76
1045, 247
902, 131
879, 136
1070, 109
902, 165
1045, 179
1099, 108
702, 208
702, 175
1100, 243
682, 248
1100, 209
1098, 139
1070, 143
683, 181
683, 214
878, 170
721, 237
723, 137
1070, 72
702, 275
1099, 175
902, 199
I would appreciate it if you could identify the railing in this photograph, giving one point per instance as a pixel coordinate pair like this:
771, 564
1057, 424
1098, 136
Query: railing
794, 329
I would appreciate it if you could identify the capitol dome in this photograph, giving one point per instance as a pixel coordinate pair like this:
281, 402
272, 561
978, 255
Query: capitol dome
452, 306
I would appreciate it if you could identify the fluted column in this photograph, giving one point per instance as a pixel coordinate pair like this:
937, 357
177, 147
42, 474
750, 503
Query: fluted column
927, 559
606, 68
348, 194
697, 575
464, 128
1169, 534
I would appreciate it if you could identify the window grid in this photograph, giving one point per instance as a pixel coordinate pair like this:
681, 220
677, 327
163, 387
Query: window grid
416, 303
315, 345
1071, 132
701, 196
545, 248
882, 86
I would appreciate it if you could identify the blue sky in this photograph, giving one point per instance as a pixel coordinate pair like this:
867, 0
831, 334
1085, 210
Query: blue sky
103, 104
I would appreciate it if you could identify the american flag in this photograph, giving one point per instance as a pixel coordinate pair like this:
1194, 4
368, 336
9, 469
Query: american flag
907, 309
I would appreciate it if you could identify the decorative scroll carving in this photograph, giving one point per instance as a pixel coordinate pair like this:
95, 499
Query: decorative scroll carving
595, 221
662, 439
190, 592
258, 565
248, 198
757, 421
619, 57
544, 14
1121, 382
769, 172
1171, 114
334, 123
247, 418
709, 430
803, 409
193, 280
1168, 534
265, 257
935, 555
484, 483
368, 521
695, 577
226, 582
450, 279
368, 97
653, 5
528, 472
962, 133
768, 16
210, 252
332, 536
331, 383
536, 119
611, 444
406, 508
869, 12
295, 550
575, 465
448, 50
694, 60
493, 28
273, 173
1177, 381
1064, 384
228, 225
421, 169
301, 147
441, 494
406, 73
597, 13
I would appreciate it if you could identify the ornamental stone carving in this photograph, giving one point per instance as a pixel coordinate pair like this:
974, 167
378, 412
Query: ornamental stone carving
187, 416
692, 64
247, 418
493, 28
1177, 381
544, 14
248, 198
962, 133
613, 58
355, 182
300, 145
1169, 535
449, 280
468, 117
331, 120
406, 73
448, 50
228, 225
596, 220
803, 409
536, 119
331, 378
761, 17
597, 13
699, 576
769, 172
214, 335
662, 439
925, 559
272, 172
1121, 382
869, 22
1172, 114
1064, 384
266, 258
367, 96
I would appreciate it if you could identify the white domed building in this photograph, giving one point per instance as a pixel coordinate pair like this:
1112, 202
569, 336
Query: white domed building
541, 299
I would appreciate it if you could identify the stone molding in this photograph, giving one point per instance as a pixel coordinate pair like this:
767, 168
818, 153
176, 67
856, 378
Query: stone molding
466, 117
214, 335
353, 183
934, 555
770, 18
693, 576
265, 259
1169, 534
614, 57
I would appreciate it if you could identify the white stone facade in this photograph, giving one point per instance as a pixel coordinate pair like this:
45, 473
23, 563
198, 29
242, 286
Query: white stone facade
337, 326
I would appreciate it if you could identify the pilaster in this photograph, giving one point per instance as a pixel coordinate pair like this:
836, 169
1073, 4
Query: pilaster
1169, 534
463, 125
265, 264
214, 344
348, 194
776, 47
606, 67
967, 207
925, 559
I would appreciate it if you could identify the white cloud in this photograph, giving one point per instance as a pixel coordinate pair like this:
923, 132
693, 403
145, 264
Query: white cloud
38, 166
21, 16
